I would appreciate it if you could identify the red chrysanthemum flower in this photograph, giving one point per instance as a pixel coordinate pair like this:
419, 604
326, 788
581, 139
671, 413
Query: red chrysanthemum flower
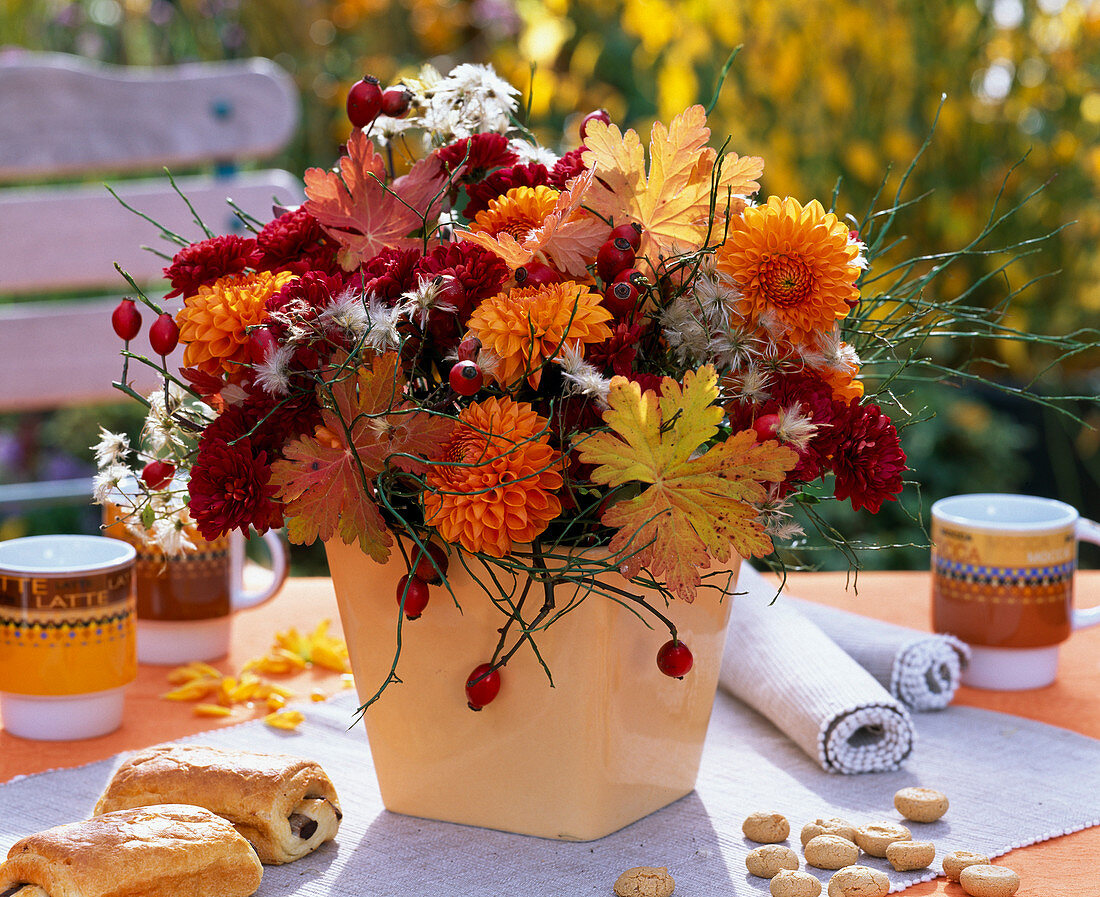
295, 242
302, 299
647, 381
618, 352
200, 264
230, 489
390, 273
867, 460
804, 392
567, 168
481, 152
533, 174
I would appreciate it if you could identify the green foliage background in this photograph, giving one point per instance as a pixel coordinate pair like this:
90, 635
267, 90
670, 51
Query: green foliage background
823, 90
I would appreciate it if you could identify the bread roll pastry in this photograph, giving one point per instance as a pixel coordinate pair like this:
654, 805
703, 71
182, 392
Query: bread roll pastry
285, 806
162, 851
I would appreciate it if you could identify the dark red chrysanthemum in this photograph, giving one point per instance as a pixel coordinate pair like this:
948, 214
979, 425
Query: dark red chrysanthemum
806, 392
868, 461
476, 274
200, 264
481, 152
617, 353
302, 300
268, 422
647, 381
230, 488
389, 274
566, 168
295, 242
533, 174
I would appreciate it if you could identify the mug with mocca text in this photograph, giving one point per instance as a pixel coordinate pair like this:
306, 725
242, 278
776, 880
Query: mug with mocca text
1003, 577
67, 641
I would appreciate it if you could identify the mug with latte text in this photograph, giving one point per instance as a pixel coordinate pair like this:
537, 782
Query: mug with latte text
1003, 581
67, 642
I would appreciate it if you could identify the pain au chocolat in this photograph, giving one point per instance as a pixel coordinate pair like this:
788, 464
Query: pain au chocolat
161, 851
285, 806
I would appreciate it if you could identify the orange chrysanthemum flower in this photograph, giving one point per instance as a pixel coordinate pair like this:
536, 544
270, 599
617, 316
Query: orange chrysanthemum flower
498, 481
518, 212
527, 327
214, 322
793, 264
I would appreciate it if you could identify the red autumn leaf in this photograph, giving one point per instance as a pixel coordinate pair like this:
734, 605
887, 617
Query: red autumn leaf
356, 207
326, 480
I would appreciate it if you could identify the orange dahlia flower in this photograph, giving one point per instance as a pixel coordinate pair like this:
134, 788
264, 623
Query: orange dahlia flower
526, 327
792, 264
497, 481
214, 322
518, 212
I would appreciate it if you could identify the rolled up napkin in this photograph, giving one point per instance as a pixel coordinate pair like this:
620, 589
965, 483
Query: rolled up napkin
784, 667
920, 669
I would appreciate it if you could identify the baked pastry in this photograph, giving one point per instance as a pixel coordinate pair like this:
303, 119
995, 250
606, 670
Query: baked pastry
161, 851
285, 806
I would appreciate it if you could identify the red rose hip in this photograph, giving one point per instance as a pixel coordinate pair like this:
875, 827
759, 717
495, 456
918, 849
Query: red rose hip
596, 115
425, 569
125, 320
466, 378
415, 593
614, 256
364, 101
396, 102
164, 335
158, 474
482, 686
674, 659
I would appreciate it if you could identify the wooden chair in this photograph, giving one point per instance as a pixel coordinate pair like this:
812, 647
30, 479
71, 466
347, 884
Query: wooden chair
69, 127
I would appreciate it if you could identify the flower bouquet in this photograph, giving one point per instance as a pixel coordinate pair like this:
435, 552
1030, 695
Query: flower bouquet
579, 387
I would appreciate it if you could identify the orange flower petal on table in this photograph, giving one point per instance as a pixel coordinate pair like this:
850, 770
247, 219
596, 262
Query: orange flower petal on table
528, 221
496, 480
214, 322
285, 719
212, 710
528, 326
191, 671
794, 266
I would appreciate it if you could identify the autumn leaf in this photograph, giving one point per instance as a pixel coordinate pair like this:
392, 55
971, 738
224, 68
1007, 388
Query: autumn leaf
696, 509
569, 236
363, 215
323, 479
673, 204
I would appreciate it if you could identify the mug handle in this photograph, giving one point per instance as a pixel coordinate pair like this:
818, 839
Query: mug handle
1087, 531
243, 599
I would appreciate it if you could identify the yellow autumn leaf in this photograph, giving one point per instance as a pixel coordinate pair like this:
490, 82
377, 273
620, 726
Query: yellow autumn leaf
672, 203
696, 508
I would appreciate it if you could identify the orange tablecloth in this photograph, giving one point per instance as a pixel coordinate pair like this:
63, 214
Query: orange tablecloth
1061, 866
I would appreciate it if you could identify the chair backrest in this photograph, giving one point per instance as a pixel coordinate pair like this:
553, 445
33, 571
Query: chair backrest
70, 126
69, 118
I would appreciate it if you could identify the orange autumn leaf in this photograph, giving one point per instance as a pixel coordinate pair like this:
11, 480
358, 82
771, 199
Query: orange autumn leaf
356, 207
323, 480
568, 237
672, 204
694, 509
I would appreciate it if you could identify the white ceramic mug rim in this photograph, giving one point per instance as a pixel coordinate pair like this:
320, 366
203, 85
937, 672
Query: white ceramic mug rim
1056, 514
116, 555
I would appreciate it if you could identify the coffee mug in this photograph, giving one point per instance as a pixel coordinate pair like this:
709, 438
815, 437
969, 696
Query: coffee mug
185, 601
67, 641
1003, 581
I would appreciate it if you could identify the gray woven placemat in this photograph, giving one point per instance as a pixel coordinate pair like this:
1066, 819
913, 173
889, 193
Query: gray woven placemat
1011, 782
